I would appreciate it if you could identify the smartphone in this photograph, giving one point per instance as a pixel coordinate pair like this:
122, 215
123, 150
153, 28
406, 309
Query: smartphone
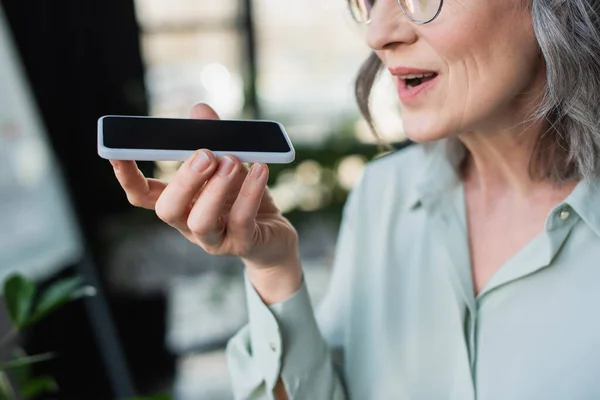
171, 139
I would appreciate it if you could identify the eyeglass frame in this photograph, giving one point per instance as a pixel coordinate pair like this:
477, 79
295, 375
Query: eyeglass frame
437, 13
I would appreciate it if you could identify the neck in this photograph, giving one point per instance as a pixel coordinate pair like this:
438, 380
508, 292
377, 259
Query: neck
497, 163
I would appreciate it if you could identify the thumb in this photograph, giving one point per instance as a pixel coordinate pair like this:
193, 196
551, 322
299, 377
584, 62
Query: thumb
203, 111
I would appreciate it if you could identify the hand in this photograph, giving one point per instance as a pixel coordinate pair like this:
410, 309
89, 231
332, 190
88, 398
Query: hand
224, 208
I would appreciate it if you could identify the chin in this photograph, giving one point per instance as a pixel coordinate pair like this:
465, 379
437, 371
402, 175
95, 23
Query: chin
420, 129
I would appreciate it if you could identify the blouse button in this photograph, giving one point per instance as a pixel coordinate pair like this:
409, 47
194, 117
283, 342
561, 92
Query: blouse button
564, 214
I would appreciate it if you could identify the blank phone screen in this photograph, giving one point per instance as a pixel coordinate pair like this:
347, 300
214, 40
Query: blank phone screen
193, 134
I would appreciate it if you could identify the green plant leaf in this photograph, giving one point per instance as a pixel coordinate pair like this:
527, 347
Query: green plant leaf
19, 292
23, 361
21, 374
39, 385
6, 390
57, 295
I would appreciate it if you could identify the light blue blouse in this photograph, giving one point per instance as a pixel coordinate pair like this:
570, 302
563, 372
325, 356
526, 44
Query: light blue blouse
401, 321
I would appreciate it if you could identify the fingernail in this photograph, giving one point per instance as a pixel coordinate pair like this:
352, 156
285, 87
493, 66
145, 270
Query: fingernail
201, 162
226, 166
257, 170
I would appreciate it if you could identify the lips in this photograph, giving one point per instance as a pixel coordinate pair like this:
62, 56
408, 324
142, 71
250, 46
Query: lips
413, 82
417, 79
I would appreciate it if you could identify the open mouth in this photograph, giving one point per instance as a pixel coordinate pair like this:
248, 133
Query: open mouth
415, 80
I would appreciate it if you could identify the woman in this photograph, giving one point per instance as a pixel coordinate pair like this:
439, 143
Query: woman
468, 266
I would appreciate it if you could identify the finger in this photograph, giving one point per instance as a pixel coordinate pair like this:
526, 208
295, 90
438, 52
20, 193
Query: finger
174, 204
205, 220
242, 217
236, 186
203, 111
141, 192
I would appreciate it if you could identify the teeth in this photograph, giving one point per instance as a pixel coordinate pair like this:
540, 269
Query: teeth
416, 76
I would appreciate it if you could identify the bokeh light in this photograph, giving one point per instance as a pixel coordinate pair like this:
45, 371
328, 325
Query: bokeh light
309, 173
349, 170
215, 77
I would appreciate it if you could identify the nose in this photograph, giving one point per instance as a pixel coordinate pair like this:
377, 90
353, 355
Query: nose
389, 26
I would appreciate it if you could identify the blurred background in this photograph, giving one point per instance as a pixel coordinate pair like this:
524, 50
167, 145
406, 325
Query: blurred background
165, 309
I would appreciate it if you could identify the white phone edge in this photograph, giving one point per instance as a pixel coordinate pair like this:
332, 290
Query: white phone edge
182, 155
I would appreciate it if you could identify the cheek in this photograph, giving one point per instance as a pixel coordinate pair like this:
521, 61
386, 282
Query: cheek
462, 81
488, 66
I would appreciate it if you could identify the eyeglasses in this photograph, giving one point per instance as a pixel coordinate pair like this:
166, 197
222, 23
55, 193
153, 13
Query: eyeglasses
417, 11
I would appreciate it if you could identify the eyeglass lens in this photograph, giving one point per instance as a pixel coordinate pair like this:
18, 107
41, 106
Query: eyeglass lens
416, 10
420, 10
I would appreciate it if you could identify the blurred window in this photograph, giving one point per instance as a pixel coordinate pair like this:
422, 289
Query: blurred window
308, 54
192, 50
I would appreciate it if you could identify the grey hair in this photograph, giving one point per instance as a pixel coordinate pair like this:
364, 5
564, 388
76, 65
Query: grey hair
568, 34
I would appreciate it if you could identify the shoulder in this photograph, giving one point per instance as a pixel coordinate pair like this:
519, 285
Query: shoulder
405, 158
397, 170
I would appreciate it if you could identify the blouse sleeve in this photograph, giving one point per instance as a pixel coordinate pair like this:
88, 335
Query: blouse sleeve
285, 340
